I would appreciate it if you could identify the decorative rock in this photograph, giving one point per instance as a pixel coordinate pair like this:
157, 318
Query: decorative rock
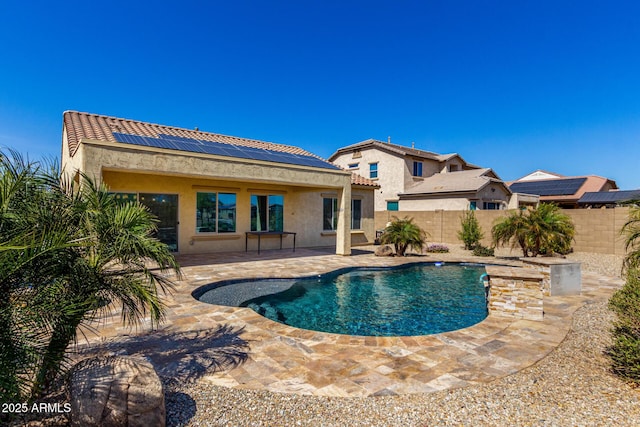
116, 391
385, 250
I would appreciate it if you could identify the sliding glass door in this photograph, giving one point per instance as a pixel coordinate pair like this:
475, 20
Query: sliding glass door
165, 207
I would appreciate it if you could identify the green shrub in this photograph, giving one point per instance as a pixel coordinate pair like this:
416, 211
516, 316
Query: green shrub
471, 233
403, 234
542, 230
625, 350
480, 250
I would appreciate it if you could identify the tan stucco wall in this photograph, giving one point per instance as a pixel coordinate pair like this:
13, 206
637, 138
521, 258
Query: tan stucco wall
597, 230
302, 211
127, 170
390, 179
456, 203
449, 204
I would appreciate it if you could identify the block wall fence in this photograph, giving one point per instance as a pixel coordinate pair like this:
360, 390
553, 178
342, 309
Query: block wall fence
597, 230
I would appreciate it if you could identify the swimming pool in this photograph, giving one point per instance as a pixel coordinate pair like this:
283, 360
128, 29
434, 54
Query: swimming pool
418, 299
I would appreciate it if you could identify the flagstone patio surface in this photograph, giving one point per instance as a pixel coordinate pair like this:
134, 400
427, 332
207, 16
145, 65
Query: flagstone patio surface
252, 352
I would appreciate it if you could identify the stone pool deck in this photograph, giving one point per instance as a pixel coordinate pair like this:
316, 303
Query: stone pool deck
235, 347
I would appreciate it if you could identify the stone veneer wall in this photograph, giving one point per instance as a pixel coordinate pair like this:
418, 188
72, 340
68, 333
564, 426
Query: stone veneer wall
515, 292
597, 230
561, 277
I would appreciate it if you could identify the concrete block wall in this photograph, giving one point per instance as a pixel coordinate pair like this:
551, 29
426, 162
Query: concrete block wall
597, 230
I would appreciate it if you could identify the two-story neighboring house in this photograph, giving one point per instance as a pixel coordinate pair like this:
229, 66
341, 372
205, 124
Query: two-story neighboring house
412, 179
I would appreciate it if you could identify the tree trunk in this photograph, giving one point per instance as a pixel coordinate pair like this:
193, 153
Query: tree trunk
63, 334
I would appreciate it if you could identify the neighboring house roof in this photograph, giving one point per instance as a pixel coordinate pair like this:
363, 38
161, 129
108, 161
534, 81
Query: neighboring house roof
455, 182
540, 174
361, 180
392, 148
568, 189
608, 197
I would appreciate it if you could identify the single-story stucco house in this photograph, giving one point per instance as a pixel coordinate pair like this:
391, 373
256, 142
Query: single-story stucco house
215, 193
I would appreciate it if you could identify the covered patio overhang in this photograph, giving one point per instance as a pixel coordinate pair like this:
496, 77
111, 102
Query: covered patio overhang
102, 159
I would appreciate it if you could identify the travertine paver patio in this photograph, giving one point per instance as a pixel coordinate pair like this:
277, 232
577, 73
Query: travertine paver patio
285, 359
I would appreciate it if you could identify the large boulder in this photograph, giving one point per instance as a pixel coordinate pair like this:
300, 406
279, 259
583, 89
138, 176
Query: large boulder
116, 391
385, 250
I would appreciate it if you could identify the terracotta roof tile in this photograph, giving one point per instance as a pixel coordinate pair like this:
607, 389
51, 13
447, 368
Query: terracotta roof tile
81, 126
360, 180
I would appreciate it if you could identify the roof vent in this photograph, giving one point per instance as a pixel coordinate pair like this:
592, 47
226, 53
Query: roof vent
413, 145
389, 140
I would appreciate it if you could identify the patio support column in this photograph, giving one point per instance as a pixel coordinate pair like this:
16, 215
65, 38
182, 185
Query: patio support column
343, 233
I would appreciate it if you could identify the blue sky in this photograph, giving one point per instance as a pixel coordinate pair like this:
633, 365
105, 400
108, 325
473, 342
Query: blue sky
511, 85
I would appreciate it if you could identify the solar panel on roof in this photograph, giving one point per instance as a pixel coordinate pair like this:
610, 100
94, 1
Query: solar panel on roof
555, 187
222, 149
609, 197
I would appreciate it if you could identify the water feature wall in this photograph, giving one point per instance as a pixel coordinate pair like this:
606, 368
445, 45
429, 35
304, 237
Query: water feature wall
516, 292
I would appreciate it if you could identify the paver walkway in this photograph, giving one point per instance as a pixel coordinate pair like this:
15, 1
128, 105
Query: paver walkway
235, 347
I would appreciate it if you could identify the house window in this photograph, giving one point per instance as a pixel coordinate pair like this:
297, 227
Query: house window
267, 213
215, 212
492, 206
392, 206
473, 205
417, 168
373, 170
453, 168
330, 214
356, 214
353, 165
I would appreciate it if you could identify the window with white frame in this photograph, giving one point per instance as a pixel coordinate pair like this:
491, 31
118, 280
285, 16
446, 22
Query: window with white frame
373, 170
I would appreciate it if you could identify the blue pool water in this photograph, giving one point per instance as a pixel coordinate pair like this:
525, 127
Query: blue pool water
415, 300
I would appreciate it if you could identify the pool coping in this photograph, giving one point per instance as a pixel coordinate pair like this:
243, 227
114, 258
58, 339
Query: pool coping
290, 360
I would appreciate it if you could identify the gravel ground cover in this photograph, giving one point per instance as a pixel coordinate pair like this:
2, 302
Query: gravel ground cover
570, 387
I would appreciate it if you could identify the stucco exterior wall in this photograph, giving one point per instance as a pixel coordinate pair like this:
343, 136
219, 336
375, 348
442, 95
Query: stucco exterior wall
129, 170
391, 181
448, 204
302, 211
491, 193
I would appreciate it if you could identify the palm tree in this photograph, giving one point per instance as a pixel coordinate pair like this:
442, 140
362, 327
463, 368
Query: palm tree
631, 230
512, 228
403, 233
549, 229
68, 254
120, 264
544, 229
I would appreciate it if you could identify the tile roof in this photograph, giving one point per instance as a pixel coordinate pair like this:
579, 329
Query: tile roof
454, 182
590, 183
361, 180
85, 126
81, 126
398, 149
